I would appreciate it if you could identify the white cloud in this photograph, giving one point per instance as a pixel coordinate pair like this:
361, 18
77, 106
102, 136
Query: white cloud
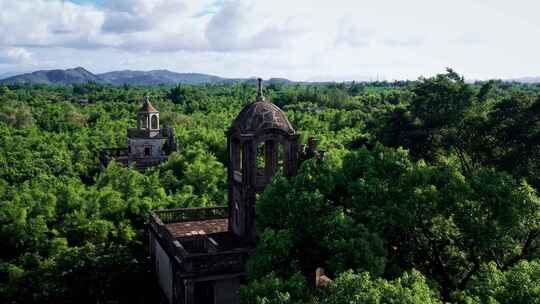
351, 34
298, 39
123, 16
12, 55
48, 23
237, 26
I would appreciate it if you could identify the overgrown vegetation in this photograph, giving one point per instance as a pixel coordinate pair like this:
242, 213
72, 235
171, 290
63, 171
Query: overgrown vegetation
428, 193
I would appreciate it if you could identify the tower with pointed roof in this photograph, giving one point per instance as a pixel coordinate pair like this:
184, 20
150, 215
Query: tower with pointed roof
148, 143
148, 117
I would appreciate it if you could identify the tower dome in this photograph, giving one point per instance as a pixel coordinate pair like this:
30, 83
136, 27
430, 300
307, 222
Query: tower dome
260, 115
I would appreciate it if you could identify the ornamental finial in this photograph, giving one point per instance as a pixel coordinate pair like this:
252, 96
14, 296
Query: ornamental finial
260, 96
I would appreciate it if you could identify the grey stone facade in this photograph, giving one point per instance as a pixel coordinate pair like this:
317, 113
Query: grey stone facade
148, 144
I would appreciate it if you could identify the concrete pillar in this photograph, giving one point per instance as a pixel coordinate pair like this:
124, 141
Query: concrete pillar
270, 155
291, 156
249, 191
189, 288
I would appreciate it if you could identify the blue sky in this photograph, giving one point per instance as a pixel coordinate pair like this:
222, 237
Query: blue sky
301, 39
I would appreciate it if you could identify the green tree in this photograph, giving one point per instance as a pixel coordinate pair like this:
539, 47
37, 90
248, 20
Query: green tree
349, 287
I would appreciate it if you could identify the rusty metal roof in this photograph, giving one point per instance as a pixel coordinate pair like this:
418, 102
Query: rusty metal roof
147, 106
195, 228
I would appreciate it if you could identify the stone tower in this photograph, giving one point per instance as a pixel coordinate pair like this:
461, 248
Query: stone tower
148, 117
148, 144
261, 140
199, 254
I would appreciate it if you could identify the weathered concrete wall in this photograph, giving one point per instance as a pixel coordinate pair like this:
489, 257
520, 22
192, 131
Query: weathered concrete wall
164, 271
139, 144
227, 291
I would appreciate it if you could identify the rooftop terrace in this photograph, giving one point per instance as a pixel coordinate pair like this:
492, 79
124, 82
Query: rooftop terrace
200, 239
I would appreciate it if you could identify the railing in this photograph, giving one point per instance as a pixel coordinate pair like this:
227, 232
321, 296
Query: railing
115, 152
191, 214
134, 132
212, 261
169, 242
215, 262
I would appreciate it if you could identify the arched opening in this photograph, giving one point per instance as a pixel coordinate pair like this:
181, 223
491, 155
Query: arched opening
144, 121
280, 156
261, 157
154, 122
236, 159
270, 158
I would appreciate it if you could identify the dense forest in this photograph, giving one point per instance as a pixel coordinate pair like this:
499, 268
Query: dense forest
428, 192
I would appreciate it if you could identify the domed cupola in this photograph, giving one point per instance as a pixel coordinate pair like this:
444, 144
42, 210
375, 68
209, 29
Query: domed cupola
261, 142
261, 115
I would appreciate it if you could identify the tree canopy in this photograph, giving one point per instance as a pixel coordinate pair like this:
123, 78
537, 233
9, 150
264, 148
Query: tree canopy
428, 192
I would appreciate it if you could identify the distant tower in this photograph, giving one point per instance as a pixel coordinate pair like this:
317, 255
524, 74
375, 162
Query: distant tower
148, 117
149, 144
261, 140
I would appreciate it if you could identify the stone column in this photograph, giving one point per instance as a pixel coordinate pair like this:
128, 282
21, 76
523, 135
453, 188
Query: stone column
249, 190
291, 156
270, 159
230, 181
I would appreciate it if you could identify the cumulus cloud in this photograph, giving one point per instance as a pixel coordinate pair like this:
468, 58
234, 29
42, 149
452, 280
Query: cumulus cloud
351, 34
137, 25
42, 23
123, 16
298, 39
13, 55
155, 25
122, 22
224, 29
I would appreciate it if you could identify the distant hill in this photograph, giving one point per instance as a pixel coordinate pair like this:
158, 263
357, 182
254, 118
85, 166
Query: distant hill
58, 77
526, 80
159, 77
80, 75
155, 77
7, 74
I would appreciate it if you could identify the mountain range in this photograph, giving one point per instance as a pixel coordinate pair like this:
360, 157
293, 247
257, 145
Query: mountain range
80, 75
527, 79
